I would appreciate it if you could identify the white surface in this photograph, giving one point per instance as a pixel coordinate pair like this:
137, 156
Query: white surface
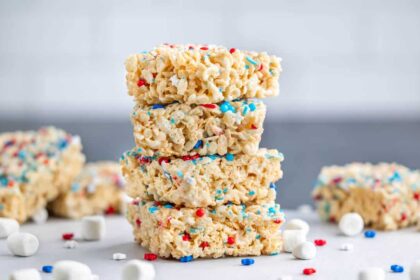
400, 247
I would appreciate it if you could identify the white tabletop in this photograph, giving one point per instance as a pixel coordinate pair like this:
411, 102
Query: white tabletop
399, 247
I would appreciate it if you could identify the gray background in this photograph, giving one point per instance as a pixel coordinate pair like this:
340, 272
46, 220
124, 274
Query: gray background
350, 88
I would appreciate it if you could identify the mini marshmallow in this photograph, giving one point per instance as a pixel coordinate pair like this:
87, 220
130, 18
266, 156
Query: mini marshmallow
93, 227
40, 216
292, 238
346, 247
415, 271
25, 274
71, 244
22, 244
305, 209
71, 270
285, 277
138, 270
305, 251
351, 224
373, 273
119, 256
297, 224
7, 227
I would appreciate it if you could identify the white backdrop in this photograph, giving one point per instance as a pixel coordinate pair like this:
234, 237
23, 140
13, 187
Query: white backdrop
342, 59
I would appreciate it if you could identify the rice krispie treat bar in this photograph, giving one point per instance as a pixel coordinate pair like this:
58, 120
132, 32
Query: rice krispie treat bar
181, 129
35, 167
199, 74
386, 195
96, 190
202, 181
227, 230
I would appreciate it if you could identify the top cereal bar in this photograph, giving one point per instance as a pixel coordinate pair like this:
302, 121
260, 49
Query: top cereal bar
198, 74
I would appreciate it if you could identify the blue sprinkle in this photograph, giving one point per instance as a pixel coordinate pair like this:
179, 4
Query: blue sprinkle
397, 268
370, 234
273, 186
271, 210
245, 110
157, 106
180, 174
247, 261
173, 121
225, 190
3, 180
225, 106
258, 236
252, 107
62, 144
246, 66
220, 89
396, 177
75, 187
186, 258
168, 206
213, 157
229, 157
250, 60
198, 144
22, 154
153, 209
47, 268
251, 192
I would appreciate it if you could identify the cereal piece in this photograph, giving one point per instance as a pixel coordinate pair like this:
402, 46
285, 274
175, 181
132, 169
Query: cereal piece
71, 270
200, 75
231, 230
297, 224
22, 244
386, 195
138, 270
373, 273
71, 244
415, 271
93, 228
40, 216
181, 129
25, 274
247, 262
346, 247
203, 181
370, 234
35, 167
351, 224
292, 238
96, 190
7, 227
304, 251
119, 256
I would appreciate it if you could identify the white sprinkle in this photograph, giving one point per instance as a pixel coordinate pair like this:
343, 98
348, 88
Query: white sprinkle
119, 256
71, 244
25, 274
415, 270
292, 238
174, 80
298, 224
285, 277
346, 247
136, 270
93, 227
373, 273
22, 244
351, 224
40, 216
71, 270
305, 251
7, 227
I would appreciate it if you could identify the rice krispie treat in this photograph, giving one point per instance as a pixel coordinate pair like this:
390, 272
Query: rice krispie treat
181, 129
35, 167
199, 74
97, 189
386, 195
226, 230
202, 181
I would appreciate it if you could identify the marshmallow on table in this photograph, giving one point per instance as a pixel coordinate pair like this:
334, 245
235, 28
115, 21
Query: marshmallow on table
351, 224
286, 277
305, 251
22, 244
292, 238
71, 270
373, 273
415, 271
25, 274
40, 216
119, 256
7, 227
346, 247
93, 227
297, 224
305, 209
138, 270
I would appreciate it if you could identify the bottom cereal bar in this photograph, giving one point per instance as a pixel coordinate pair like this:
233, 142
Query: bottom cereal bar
228, 230
387, 196
97, 189
35, 167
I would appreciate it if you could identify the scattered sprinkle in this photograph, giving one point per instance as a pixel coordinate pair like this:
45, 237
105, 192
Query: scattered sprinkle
150, 257
370, 234
208, 106
309, 271
141, 82
320, 242
198, 144
397, 268
232, 50
70, 244
231, 240
68, 236
119, 256
157, 106
200, 212
229, 157
47, 268
204, 244
250, 60
247, 261
186, 258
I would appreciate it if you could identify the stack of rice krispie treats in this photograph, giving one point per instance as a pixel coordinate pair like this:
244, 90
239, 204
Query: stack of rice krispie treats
200, 184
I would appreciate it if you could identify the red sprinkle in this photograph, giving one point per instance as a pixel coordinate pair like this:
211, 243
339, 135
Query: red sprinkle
232, 50
204, 244
143, 160
68, 236
277, 221
185, 158
417, 196
204, 48
333, 219
231, 240
261, 67
200, 212
186, 237
309, 271
110, 210
165, 159
253, 126
150, 257
141, 82
138, 222
403, 216
337, 180
320, 242
209, 106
